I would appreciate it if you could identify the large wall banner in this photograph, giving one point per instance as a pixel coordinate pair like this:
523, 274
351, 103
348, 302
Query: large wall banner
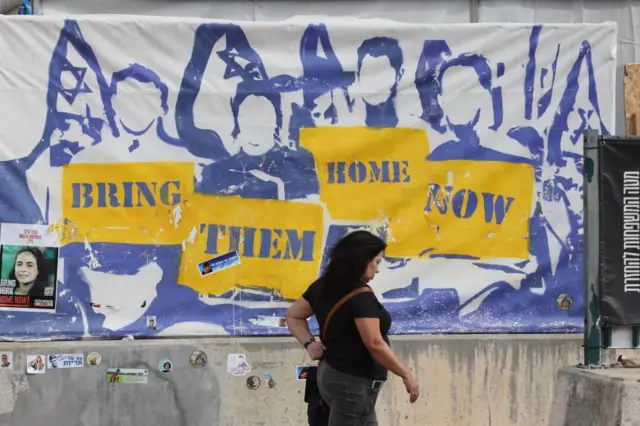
620, 231
195, 174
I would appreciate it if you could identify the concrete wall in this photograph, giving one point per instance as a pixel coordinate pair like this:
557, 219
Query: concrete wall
601, 397
466, 380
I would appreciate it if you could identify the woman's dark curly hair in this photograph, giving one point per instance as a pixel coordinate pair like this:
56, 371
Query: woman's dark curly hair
348, 262
43, 270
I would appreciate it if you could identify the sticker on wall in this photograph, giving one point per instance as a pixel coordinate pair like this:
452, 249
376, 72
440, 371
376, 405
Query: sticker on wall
65, 361
198, 359
151, 322
94, 359
268, 321
127, 375
165, 366
253, 382
219, 263
302, 371
36, 364
6, 360
237, 364
269, 379
564, 302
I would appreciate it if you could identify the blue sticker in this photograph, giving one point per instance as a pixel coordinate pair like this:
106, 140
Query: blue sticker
219, 263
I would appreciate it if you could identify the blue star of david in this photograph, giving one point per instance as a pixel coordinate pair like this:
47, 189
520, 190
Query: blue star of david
234, 69
585, 116
70, 94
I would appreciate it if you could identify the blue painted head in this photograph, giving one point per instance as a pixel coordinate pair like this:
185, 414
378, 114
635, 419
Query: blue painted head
379, 60
472, 72
136, 75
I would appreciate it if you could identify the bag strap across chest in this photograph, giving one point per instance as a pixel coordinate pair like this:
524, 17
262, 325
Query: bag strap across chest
338, 305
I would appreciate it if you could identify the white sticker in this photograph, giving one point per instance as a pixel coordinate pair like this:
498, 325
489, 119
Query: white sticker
56, 361
29, 235
219, 263
36, 364
127, 375
6, 360
151, 322
237, 364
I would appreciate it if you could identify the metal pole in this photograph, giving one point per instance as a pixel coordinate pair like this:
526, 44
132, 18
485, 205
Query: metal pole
474, 11
592, 333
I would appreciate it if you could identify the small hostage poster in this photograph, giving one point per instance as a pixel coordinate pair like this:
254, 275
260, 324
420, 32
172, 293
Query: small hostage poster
127, 375
28, 267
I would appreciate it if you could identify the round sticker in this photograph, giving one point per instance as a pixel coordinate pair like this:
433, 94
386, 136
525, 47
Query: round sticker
165, 366
253, 382
564, 302
198, 359
94, 359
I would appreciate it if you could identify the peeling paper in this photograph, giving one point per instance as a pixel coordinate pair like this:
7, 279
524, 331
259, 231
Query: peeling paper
93, 260
177, 216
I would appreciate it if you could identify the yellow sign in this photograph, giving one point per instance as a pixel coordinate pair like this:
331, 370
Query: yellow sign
472, 208
468, 208
136, 203
366, 173
279, 244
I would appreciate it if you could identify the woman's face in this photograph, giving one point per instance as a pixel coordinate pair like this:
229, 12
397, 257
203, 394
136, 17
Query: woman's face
26, 268
372, 268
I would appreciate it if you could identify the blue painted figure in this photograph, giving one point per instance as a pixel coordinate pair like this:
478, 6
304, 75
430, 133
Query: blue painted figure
251, 161
373, 56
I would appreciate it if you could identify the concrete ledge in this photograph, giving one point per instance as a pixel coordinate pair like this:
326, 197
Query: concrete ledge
598, 397
466, 380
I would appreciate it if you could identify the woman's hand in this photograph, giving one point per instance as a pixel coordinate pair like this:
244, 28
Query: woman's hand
315, 350
411, 383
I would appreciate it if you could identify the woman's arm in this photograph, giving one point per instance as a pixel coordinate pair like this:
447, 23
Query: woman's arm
369, 329
296, 318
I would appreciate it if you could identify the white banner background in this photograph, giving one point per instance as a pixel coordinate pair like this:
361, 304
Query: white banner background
106, 90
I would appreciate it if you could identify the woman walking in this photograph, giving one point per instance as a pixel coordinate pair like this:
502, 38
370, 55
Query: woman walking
355, 350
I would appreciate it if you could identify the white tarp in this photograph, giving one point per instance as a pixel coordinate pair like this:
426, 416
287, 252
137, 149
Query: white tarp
155, 145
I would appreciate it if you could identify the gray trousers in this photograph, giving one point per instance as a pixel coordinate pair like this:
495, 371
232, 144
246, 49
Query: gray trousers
352, 399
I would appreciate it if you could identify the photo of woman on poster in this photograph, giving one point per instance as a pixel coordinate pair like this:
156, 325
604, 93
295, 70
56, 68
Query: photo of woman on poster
31, 271
38, 364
